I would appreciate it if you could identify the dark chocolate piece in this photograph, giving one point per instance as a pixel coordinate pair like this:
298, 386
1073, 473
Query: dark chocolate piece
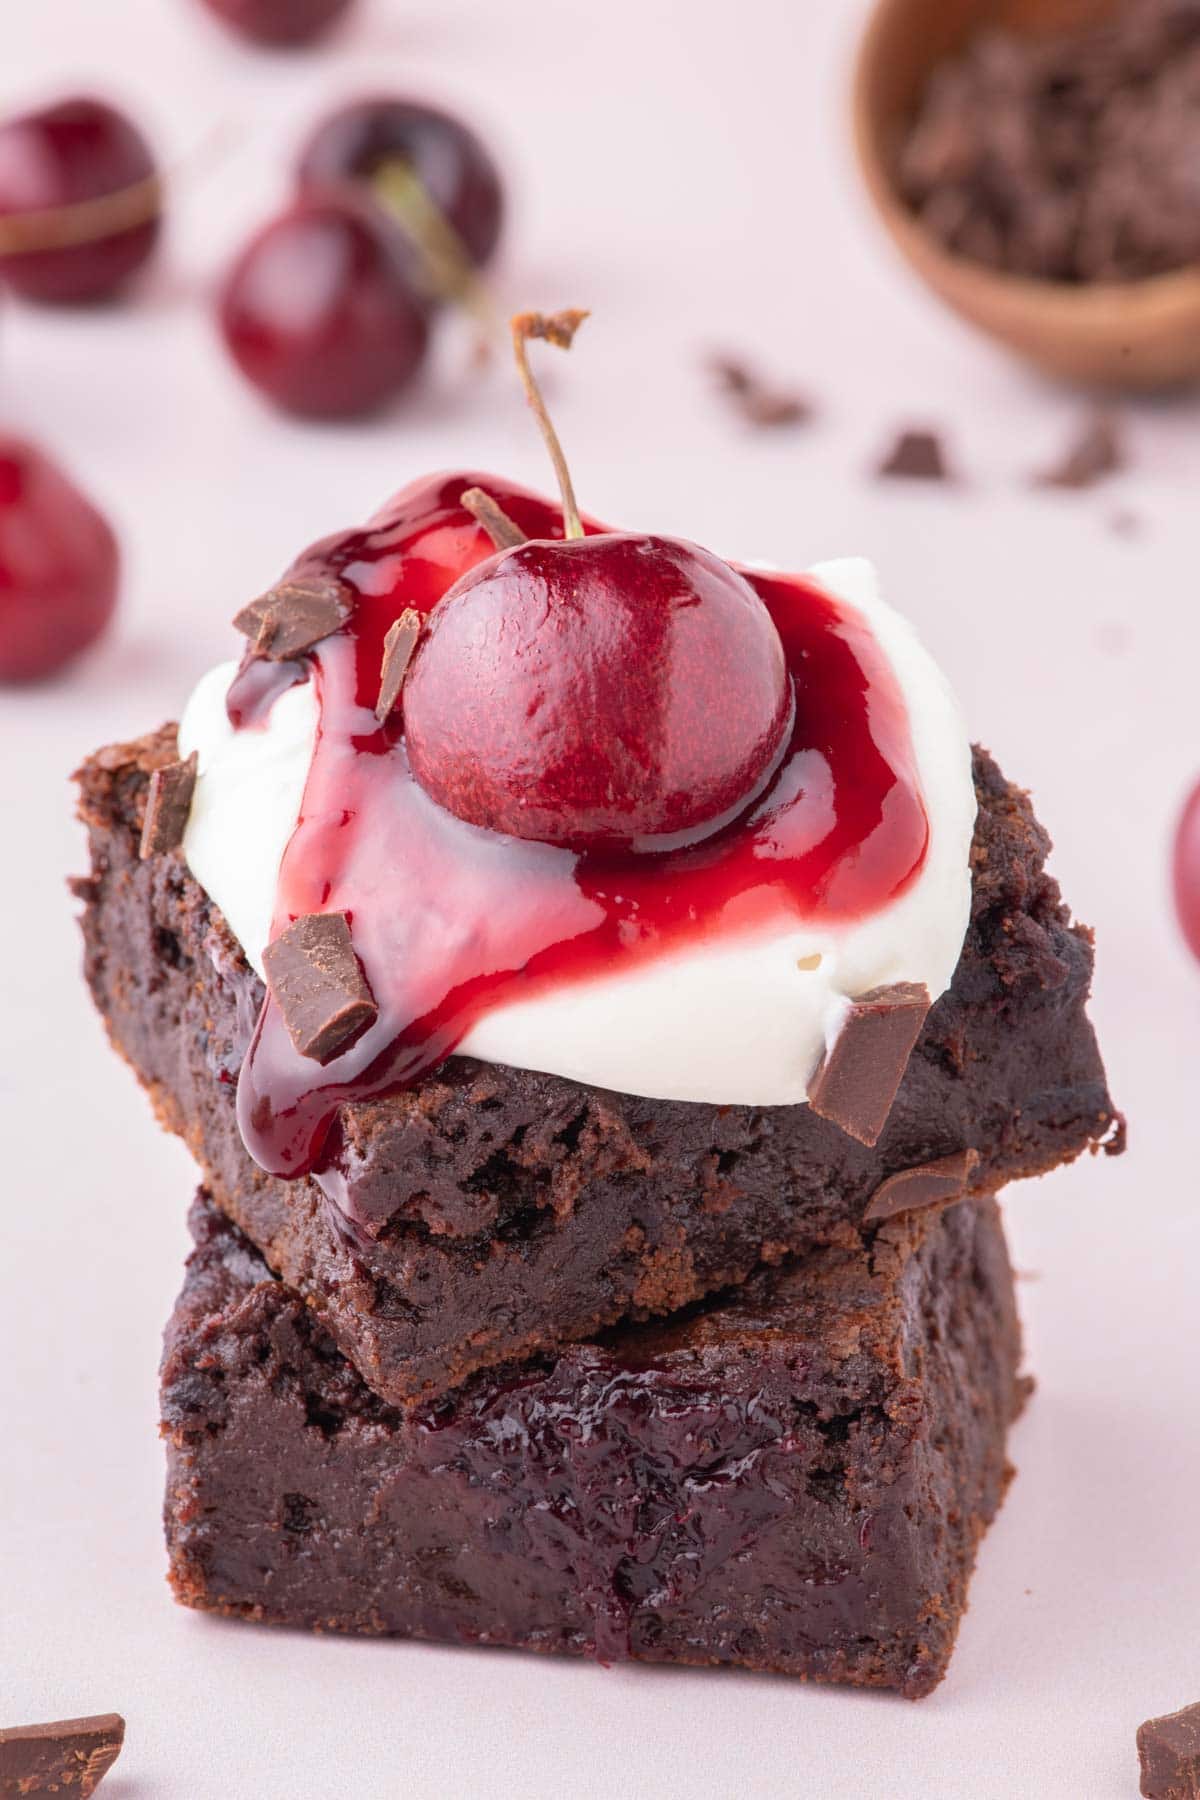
504, 532
862, 1070
398, 646
1096, 453
760, 402
925, 1184
67, 1756
793, 1477
294, 616
318, 985
493, 1213
915, 456
168, 803
1169, 1752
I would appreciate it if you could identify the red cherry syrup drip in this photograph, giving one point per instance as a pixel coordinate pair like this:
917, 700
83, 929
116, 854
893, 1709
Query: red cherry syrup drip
450, 920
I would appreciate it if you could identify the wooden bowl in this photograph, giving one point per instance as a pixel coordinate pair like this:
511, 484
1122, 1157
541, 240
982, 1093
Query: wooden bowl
1132, 335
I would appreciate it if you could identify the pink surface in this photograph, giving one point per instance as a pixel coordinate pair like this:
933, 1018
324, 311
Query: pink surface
684, 172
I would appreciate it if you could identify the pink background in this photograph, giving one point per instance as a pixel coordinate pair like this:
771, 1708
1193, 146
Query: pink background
682, 169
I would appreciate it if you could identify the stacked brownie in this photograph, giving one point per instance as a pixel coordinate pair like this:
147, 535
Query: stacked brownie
565, 1369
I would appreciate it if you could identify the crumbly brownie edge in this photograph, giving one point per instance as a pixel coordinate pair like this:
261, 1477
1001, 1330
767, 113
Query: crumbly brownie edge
520, 1210
795, 1477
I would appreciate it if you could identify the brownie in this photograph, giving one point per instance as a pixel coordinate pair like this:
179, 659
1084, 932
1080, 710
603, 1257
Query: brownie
791, 1477
492, 1212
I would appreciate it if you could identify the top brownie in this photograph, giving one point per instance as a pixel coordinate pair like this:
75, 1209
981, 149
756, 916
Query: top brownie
490, 1213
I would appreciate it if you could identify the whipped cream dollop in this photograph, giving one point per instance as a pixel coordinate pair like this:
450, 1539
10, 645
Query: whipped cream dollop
742, 1020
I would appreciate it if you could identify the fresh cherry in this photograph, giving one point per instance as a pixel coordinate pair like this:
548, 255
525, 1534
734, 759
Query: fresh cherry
611, 692
281, 24
603, 692
452, 167
58, 566
1186, 870
79, 201
318, 312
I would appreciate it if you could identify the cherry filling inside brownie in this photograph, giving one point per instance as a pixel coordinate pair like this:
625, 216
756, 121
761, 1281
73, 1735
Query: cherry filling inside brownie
545, 925
791, 1477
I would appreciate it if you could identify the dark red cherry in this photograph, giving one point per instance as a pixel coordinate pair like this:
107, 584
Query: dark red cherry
318, 312
609, 692
58, 566
1186, 871
446, 157
81, 176
282, 24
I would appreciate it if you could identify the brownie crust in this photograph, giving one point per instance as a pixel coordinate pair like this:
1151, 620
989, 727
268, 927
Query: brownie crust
793, 1477
491, 1213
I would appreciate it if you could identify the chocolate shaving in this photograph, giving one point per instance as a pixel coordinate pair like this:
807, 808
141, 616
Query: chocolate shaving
857, 1080
759, 401
294, 616
925, 1184
915, 456
504, 532
69, 1755
398, 647
1169, 1753
318, 985
1096, 453
168, 803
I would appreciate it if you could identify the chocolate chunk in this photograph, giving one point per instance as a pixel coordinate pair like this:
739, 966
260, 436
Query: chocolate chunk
760, 402
168, 803
925, 1184
1096, 453
857, 1081
504, 532
398, 647
294, 616
68, 1756
915, 456
318, 985
1169, 1752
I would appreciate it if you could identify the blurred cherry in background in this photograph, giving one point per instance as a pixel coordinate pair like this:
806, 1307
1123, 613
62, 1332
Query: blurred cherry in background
279, 24
58, 566
79, 179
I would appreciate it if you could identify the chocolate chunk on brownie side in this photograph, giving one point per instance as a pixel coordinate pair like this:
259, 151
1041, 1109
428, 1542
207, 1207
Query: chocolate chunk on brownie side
492, 1213
793, 1477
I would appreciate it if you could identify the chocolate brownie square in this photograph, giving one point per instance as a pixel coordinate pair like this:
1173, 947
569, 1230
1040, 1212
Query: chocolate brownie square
491, 1213
793, 1476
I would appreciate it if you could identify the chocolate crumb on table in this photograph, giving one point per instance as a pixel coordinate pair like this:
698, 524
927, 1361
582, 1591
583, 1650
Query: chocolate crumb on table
67, 1756
1069, 157
915, 456
760, 402
1097, 452
1169, 1753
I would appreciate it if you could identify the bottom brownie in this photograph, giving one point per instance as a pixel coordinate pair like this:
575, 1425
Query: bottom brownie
794, 1477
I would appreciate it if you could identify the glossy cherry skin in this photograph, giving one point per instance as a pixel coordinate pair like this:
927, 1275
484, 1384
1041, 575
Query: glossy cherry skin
614, 692
1186, 871
58, 566
448, 159
318, 312
78, 150
279, 24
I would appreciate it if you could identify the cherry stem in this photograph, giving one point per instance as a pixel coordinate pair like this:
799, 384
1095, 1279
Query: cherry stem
82, 221
552, 328
444, 257
504, 532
